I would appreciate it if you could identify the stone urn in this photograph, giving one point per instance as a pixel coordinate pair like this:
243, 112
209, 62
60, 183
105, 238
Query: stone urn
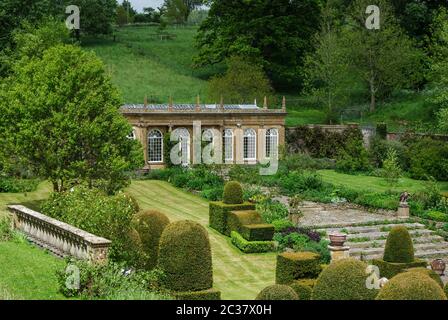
438, 266
337, 239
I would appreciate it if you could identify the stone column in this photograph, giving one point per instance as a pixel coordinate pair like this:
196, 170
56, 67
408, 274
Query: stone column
338, 253
142, 136
261, 144
238, 146
196, 143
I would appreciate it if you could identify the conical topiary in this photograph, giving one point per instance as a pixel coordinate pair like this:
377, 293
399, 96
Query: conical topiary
399, 247
185, 257
233, 193
150, 225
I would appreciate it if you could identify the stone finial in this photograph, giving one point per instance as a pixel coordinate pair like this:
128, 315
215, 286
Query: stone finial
170, 105
255, 102
198, 103
265, 102
284, 103
145, 102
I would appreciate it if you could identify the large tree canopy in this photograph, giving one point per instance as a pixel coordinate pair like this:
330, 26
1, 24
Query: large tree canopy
277, 32
60, 116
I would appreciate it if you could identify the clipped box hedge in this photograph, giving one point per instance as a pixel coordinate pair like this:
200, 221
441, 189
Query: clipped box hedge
218, 212
210, 294
251, 246
297, 265
391, 269
257, 232
303, 288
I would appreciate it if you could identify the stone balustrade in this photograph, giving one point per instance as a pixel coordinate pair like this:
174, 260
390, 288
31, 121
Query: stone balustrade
58, 237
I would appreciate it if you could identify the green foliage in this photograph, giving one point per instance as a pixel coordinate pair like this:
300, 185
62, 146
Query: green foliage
282, 224
242, 83
281, 43
391, 169
150, 225
297, 182
437, 216
277, 292
176, 11
271, 210
391, 269
109, 282
381, 131
432, 274
429, 157
251, 246
69, 130
219, 212
353, 158
257, 232
105, 216
411, 286
233, 193
399, 247
8, 233
12, 185
343, 280
185, 257
379, 149
297, 265
303, 288
207, 295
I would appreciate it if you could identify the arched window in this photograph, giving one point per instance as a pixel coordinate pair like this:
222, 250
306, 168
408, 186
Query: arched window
228, 144
155, 146
250, 144
271, 143
184, 145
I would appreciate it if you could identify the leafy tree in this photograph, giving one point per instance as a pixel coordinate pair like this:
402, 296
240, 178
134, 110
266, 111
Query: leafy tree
242, 83
122, 16
327, 69
96, 16
60, 115
278, 32
391, 168
176, 11
385, 59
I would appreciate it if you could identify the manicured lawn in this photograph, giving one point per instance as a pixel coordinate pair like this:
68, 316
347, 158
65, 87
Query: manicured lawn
237, 275
28, 272
374, 184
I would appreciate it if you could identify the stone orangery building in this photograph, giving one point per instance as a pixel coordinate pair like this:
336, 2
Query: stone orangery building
246, 134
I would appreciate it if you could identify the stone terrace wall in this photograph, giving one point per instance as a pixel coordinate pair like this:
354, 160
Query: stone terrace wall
60, 238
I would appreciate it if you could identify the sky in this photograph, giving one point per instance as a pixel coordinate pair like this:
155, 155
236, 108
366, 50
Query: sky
140, 4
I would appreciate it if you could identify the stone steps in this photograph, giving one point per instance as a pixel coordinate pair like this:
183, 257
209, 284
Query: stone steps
367, 241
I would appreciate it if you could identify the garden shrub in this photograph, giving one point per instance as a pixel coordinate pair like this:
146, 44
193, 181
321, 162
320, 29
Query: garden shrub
212, 194
354, 157
94, 211
233, 193
111, 281
219, 211
298, 182
207, 295
250, 225
296, 265
431, 273
436, 216
150, 225
378, 152
257, 232
399, 247
391, 269
270, 209
429, 157
445, 289
185, 257
381, 130
277, 292
411, 286
343, 279
303, 288
251, 246
282, 224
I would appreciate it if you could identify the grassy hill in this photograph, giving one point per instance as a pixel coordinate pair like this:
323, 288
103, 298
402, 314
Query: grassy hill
141, 63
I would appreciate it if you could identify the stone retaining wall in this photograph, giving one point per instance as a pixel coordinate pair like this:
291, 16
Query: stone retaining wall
60, 238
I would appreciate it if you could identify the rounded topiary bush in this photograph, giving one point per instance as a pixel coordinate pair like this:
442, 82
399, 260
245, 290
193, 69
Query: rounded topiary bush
303, 288
343, 280
431, 273
446, 289
233, 193
277, 292
150, 225
185, 257
399, 247
411, 286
